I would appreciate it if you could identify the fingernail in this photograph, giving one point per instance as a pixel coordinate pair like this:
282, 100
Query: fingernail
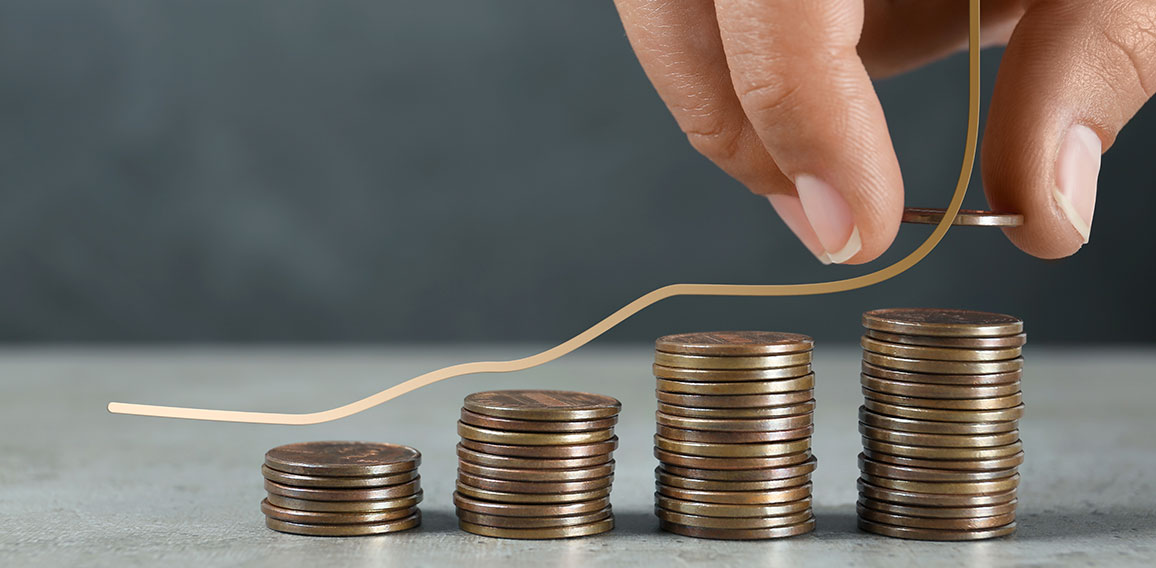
830, 217
1077, 171
791, 211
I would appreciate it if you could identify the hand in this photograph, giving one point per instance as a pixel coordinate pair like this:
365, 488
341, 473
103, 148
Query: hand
778, 94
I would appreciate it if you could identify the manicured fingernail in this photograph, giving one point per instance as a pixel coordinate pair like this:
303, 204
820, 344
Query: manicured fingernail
1077, 171
830, 217
791, 211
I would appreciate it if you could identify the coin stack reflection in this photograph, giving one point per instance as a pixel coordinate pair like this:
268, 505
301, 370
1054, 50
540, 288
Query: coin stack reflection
341, 488
734, 434
940, 424
536, 464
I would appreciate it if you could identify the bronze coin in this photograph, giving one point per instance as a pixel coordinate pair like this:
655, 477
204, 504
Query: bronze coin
665, 478
314, 518
804, 383
334, 482
933, 534
869, 491
899, 388
731, 522
938, 353
963, 218
938, 379
541, 510
942, 453
738, 534
356, 459
733, 437
941, 322
734, 343
737, 401
525, 404
741, 413
961, 524
699, 462
361, 529
786, 495
536, 475
731, 362
532, 522
940, 440
344, 506
491, 460
728, 376
724, 510
961, 464
538, 426
347, 494
900, 411
532, 438
943, 367
565, 451
791, 471
1001, 342
503, 485
732, 450
573, 531
537, 498
998, 403
735, 424
946, 487
881, 469
940, 512
933, 427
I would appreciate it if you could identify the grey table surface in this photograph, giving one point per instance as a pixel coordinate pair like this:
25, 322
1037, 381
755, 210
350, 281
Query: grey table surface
79, 486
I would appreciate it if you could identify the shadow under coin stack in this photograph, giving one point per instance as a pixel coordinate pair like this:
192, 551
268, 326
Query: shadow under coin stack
940, 424
341, 488
734, 434
535, 464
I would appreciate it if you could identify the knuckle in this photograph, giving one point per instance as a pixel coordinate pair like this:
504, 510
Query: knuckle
770, 99
1130, 27
714, 138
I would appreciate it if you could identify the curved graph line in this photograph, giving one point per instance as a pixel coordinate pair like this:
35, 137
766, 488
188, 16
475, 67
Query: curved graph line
627, 310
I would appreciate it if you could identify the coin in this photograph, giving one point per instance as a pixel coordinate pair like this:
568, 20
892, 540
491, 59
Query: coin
933, 427
738, 534
735, 424
336, 481
997, 403
567, 451
937, 379
314, 518
538, 498
794, 470
881, 469
961, 464
940, 440
665, 478
466, 455
804, 383
542, 405
733, 437
732, 362
494, 423
731, 522
1001, 342
964, 218
349, 494
961, 524
943, 367
536, 487
933, 534
946, 487
466, 503
940, 512
765, 497
701, 462
899, 388
345, 530
358, 459
942, 322
723, 510
734, 343
732, 450
938, 353
541, 533
532, 438
537, 474
738, 401
344, 506
899, 411
877, 493
726, 376
532, 522
925, 452
722, 413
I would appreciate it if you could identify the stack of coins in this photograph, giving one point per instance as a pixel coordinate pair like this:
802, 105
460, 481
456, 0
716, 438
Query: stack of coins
341, 488
536, 464
940, 428
734, 434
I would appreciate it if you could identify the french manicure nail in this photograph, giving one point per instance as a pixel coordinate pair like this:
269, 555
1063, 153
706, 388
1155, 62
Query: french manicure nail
1077, 172
830, 217
791, 212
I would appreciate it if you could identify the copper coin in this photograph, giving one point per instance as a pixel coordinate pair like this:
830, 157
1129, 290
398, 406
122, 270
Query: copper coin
946, 487
525, 404
723, 510
938, 353
463, 502
943, 367
963, 218
900, 411
962, 524
741, 413
934, 453
351, 494
358, 459
732, 450
362, 529
931, 500
536, 475
532, 438
940, 512
997, 403
735, 424
738, 534
933, 534
504, 485
937, 379
532, 522
731, 522
344, 506
565, 451
734, 343
786, 495
665, 478
540, 426
962, 464
900, 388
799, 468
881, 469
733, 437
737, 401
1001, 342
589, 529
731, 362
490, 460
940, 322
537, 498
699, 462
728, 376
934, 427
940, 440
336, 481
314, 518
804, 383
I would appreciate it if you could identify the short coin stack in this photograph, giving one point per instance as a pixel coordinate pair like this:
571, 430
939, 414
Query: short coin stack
940, 424
535, 464
341, 488
734, 434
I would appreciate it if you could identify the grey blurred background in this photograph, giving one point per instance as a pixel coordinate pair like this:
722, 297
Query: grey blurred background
363, 171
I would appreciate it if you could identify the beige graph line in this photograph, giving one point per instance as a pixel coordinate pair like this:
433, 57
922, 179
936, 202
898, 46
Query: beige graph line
627, 310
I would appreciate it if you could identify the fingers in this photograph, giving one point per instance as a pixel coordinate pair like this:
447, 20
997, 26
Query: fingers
808, 97
1073, 74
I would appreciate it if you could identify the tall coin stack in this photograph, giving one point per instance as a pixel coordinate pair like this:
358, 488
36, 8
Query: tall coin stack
940, 424
535, 464
734, 434
341, 488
